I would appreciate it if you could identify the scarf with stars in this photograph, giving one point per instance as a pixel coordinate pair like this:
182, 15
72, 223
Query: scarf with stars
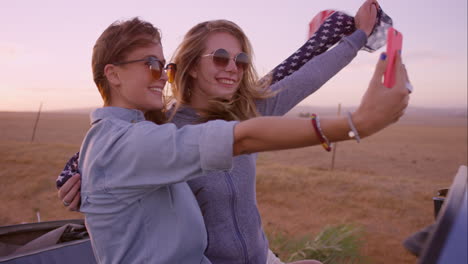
326, 29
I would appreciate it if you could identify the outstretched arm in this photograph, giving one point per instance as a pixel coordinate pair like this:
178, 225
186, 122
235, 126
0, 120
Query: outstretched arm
379, 108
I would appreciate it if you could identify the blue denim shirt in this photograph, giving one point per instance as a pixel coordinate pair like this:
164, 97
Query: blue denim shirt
137, 204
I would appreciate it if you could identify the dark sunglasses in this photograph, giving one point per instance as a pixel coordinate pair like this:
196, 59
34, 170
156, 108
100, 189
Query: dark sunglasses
156, 67
221, 58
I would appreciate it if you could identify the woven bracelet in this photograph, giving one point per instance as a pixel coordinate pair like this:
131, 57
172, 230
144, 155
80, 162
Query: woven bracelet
318, 130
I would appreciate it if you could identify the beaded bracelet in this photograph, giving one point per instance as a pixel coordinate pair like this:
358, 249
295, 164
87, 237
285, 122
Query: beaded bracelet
323, 139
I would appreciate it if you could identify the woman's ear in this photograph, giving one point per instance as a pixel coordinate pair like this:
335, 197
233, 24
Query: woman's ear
193, 73
112, 75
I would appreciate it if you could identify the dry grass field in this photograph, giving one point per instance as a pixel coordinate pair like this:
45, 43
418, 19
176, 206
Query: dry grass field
384, 185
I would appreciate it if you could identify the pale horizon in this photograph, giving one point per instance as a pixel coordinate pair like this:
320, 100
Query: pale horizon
457, 111
45, 49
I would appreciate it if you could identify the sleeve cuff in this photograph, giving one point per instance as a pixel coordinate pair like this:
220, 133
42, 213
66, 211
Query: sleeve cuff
358, 39
216, 145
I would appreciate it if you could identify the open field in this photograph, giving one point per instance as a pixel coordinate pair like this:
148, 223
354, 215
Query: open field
385, 184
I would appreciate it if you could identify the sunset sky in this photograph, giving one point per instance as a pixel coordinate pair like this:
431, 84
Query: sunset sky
45, 46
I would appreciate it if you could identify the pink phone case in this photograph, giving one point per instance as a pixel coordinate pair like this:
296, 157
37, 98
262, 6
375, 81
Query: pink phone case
394, 44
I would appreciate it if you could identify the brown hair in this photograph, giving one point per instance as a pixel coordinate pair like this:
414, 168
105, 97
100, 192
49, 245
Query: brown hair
242, 105
114, 44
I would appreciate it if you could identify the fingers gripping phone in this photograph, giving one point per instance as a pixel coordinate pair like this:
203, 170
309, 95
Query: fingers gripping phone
394, 45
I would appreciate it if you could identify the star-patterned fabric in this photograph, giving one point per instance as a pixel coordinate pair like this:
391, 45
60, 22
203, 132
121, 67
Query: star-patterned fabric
333, 29
71, 168
378, 37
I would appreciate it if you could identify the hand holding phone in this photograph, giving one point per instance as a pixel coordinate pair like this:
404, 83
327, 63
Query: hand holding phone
394, 45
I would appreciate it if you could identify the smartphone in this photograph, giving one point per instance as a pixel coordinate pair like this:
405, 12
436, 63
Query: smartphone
394, 45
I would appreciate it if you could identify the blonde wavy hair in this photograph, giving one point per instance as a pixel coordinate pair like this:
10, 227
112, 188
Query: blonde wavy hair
242, 105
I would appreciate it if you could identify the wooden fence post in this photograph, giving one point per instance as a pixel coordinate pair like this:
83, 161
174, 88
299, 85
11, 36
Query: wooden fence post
336, 144
35, 124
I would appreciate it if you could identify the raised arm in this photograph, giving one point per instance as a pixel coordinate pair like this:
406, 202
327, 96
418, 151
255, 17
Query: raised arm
295, 82
313, 75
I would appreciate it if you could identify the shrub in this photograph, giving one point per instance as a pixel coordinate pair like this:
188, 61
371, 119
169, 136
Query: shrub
334, 244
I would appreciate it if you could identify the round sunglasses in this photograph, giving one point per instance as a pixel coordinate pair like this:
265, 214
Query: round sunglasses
156, 67
221, 58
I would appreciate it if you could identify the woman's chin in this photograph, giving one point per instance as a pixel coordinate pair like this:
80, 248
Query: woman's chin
154, 107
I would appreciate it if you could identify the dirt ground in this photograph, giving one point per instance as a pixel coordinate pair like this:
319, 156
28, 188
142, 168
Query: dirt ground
385, 184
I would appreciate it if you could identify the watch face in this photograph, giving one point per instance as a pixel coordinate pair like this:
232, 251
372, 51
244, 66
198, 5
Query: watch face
351, 134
